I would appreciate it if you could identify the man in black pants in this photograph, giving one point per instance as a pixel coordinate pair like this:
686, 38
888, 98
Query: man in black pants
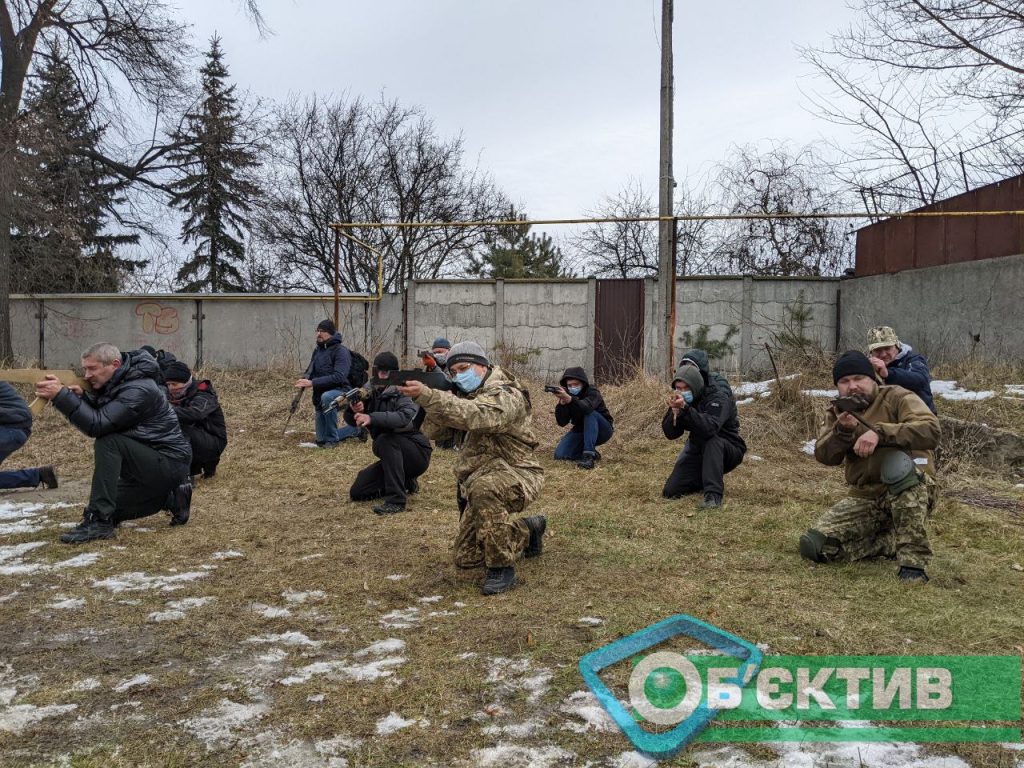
404, 452
199, 413
715, 446
141, 456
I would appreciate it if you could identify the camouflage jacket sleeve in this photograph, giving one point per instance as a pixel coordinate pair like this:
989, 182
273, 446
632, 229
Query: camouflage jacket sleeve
834, 441
495, 409
917, 428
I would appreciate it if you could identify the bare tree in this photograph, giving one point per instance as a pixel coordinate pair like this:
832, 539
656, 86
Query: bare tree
336, 161
620, 248
779, 183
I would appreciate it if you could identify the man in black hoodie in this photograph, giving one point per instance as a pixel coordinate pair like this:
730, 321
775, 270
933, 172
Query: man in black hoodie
581, 404
198, 410
394, 422
15, 427
699, 358
715, 446
141, 456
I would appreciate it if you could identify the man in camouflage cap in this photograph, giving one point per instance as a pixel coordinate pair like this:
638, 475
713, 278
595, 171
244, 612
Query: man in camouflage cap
897, 363
496, 474
891, 492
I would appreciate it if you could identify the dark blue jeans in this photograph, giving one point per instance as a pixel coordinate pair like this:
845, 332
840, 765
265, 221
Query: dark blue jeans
596, 431
10, 441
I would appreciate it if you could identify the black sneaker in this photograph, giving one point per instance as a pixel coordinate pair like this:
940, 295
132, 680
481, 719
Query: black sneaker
711, 501
89, 529
389, 508
597, 455
910, 574
48, 477
499, 580
181, 510
414, 486
537, 525
587, 462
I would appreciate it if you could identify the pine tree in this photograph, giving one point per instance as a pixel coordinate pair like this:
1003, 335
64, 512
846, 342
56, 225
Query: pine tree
217, 190
64, 200
514, 253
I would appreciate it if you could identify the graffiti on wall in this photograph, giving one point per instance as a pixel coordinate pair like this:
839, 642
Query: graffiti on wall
157, 318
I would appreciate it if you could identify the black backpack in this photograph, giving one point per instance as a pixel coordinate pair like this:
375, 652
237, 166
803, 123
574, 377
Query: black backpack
359, 372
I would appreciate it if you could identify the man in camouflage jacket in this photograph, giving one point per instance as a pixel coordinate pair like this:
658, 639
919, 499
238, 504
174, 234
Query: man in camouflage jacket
496, 474
891, 491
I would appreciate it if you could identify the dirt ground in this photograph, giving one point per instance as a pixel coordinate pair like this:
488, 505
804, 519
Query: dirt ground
287, 626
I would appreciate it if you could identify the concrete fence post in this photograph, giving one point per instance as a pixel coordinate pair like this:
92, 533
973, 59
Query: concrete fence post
499, 313
410, 318
746, 323
591, 353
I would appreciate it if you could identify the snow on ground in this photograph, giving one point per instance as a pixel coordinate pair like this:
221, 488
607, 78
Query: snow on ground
594, 717
308, 445
298, 598
747, 388
270, 611
214, 728
137, 581
16, 566
589, 621
228, 554
395, 722
67, 603
176, 609
15, 719
516, 756
397, 576
286, 638
808, 447
631, 760
381, 647
948, 390
517, 674
132, 682
401, 618
745, 401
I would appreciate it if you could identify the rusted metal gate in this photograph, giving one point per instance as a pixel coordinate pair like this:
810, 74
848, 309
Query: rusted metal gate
618, 329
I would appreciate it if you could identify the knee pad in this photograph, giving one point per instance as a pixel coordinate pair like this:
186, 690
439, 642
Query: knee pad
899, 472
814, 545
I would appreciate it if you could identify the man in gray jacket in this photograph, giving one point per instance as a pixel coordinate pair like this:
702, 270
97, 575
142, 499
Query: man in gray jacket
141, 456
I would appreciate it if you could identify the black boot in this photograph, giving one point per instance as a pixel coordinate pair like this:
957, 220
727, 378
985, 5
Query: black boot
48, 477
711, 501
389, 508
537, 525
499, 580
587, 462
910, 574
181, 503
414, 486
89, 529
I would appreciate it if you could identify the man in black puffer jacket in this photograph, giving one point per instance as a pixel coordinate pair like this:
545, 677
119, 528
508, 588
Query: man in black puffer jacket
715, 446
198, 410
581, 404
141, 456
404, 452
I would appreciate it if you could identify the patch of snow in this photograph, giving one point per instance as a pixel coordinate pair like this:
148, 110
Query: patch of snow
522, 730
67, 604
88, 684
270, 611
631, 760
229, 554
457, 604
16, 551
178, 608
439, 614
315, 699
515, 756
1014, 389
868, 755
132, 682
513, 674
336, 744
397, 576
297, 598
314, 556
382, 647
431, 599
308, 445
468, 655
15, 719
20, 567
11, 511
20, 527
584, 705
753, 457
948, 390
808, 447
395, 722
833, 393
340, 670
759, 387
745, 401
137, 581
590, 621
10, 596
286, 638
400, 619
215, 728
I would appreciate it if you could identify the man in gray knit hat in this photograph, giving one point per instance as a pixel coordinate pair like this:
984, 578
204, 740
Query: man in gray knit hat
496, 474
715, 447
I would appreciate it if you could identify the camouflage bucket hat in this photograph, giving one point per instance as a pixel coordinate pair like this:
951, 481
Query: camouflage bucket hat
882, 336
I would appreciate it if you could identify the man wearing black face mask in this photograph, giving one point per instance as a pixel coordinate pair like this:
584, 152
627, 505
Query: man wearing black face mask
715, 446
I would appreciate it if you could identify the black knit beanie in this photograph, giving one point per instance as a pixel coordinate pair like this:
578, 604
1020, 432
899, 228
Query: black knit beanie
327, 325
851, 363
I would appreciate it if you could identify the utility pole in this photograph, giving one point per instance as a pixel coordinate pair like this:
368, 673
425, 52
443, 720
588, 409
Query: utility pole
666, 186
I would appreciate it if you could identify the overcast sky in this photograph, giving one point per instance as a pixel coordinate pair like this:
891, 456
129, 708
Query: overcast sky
557, 98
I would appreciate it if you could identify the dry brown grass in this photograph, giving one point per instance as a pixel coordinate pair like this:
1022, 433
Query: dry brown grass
616, 551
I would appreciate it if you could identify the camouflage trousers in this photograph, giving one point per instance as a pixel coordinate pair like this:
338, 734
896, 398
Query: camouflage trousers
487, 498
887, 526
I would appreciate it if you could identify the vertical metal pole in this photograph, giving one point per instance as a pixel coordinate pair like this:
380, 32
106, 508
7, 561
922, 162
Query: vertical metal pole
666, 184
337, 278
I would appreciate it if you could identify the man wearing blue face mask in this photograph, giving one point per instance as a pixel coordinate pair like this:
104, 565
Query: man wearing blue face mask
581, 404
496, 474
715, 446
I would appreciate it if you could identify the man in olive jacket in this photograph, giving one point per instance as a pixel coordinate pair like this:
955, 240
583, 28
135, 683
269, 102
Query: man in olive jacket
496, 474
888, 470
141, 456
